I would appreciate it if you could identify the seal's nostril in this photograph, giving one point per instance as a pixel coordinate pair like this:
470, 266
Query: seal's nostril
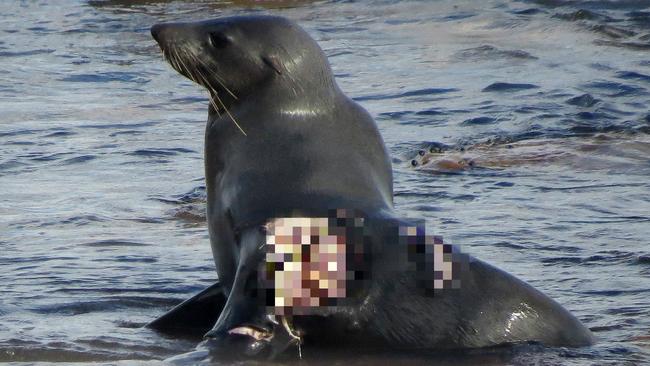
155, 31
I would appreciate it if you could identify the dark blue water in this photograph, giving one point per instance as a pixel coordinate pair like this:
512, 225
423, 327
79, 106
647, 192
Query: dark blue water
101, 201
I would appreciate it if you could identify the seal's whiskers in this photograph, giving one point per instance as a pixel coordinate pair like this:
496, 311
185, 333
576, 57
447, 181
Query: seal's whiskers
211, 90
173, 60
197, 76
230, 115
214, 73
178, 64
216, 95
173, 56
184, 66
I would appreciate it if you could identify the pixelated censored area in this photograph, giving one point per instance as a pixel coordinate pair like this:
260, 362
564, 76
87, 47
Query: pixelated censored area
437, 264
313, 262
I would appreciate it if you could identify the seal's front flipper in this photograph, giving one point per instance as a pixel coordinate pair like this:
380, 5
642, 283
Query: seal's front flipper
194, 316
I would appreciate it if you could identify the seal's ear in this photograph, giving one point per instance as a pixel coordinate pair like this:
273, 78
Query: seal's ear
274, 63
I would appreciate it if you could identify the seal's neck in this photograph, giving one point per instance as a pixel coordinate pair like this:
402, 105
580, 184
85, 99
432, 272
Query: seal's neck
283, 95
305, 100
221, 104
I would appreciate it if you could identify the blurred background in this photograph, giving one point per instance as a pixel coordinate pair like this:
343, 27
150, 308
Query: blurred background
101, 161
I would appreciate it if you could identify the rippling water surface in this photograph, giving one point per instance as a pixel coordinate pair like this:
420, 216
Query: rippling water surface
101, 143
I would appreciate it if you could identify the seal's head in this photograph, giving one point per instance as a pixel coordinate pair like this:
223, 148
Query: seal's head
238, 56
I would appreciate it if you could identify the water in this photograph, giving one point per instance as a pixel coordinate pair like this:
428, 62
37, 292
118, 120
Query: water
101, 203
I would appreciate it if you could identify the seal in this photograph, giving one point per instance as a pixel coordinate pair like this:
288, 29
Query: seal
283, 143
582, 153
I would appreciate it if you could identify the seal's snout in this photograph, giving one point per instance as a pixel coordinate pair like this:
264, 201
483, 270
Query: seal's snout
157, 32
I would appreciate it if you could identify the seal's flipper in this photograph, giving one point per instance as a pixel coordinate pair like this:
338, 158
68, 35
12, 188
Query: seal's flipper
194, 316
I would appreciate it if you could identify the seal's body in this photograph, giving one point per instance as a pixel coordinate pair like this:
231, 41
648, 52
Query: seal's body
290, 159
282, 138
280, 135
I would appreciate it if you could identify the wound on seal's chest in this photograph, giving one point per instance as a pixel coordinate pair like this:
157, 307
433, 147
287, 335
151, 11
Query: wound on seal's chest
310, 261
313, 263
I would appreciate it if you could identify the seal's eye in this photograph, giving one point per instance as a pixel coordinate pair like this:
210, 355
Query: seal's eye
219, 40
414, 162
